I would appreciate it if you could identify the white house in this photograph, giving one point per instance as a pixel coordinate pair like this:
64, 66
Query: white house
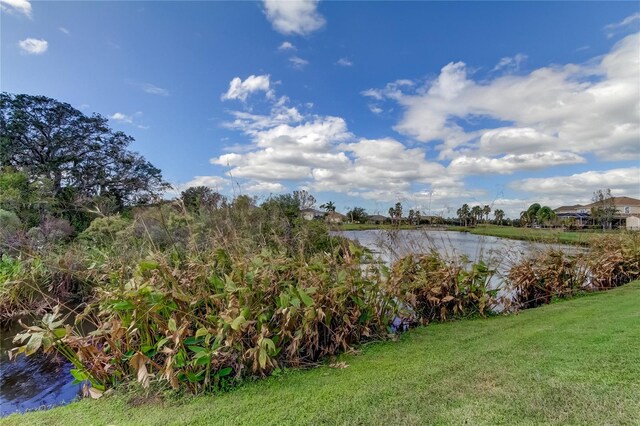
633, 223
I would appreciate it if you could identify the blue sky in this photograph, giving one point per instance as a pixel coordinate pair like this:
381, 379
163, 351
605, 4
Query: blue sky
362, 103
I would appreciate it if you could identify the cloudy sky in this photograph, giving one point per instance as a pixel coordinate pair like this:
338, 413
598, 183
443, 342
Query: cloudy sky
361, 103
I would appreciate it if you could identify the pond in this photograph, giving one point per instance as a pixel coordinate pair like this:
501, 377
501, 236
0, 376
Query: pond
29, 383
40, 381
389, 246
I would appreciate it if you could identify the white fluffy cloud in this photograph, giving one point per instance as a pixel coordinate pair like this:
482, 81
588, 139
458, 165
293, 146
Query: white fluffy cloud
381, 169
319, 152
240, 90
215, 182
510, 163
286, 46
344, 62
33, 46
129, 119
124, 118
264, 188
591, 108
624, 181
294, 17
16, 6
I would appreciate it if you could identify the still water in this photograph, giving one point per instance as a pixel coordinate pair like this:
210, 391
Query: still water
40, 381
35, 382
389, 246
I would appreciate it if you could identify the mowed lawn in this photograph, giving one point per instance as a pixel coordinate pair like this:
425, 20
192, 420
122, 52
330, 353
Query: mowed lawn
533, 234
574, 362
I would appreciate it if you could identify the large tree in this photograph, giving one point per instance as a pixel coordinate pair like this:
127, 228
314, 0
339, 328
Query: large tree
604, 208
357, 215
79, 156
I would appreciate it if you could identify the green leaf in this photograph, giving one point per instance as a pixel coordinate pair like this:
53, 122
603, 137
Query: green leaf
203, 360
162, 342
34, 343
229, 285
172, 325
78, 375
197, 349
124, 305
306, 299
268, 343
262, 358
202, 332
148, 265
224, 372
237, 323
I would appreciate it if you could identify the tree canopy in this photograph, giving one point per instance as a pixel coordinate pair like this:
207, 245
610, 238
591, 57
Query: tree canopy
78, 156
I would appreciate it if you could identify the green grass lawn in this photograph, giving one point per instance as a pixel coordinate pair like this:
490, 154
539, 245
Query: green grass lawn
574, 362
531, 234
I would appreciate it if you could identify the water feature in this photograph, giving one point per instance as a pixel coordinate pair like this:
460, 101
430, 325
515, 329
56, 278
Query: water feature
29, 383
389, 246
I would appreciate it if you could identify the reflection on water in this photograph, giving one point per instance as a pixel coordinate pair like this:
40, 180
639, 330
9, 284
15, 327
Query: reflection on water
28, 383
391, 245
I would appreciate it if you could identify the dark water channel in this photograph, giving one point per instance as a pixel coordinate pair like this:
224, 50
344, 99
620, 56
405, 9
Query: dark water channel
40, 381
29, 383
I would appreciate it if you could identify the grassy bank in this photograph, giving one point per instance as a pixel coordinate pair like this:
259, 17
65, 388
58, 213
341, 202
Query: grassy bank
575, 362
531, 234
368, 226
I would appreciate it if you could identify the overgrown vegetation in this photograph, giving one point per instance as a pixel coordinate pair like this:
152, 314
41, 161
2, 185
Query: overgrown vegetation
536, 280
565, 363
202, 298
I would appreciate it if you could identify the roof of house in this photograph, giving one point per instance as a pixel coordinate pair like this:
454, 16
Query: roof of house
617, 201
314, 211
568, 208
335, 214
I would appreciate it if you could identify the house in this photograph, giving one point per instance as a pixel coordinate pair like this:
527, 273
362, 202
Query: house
311, 214
633, 223
334, 217
625, 207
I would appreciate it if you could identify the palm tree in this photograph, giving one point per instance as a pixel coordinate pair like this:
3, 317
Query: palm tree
476, 213
398, 212
463, 213
545, 215
486, 210
532, 213
499, 215
329, 207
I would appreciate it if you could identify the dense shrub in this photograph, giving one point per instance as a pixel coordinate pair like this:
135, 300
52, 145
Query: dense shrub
615, 260
224, 317
436, 288
104, 230
536, 280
